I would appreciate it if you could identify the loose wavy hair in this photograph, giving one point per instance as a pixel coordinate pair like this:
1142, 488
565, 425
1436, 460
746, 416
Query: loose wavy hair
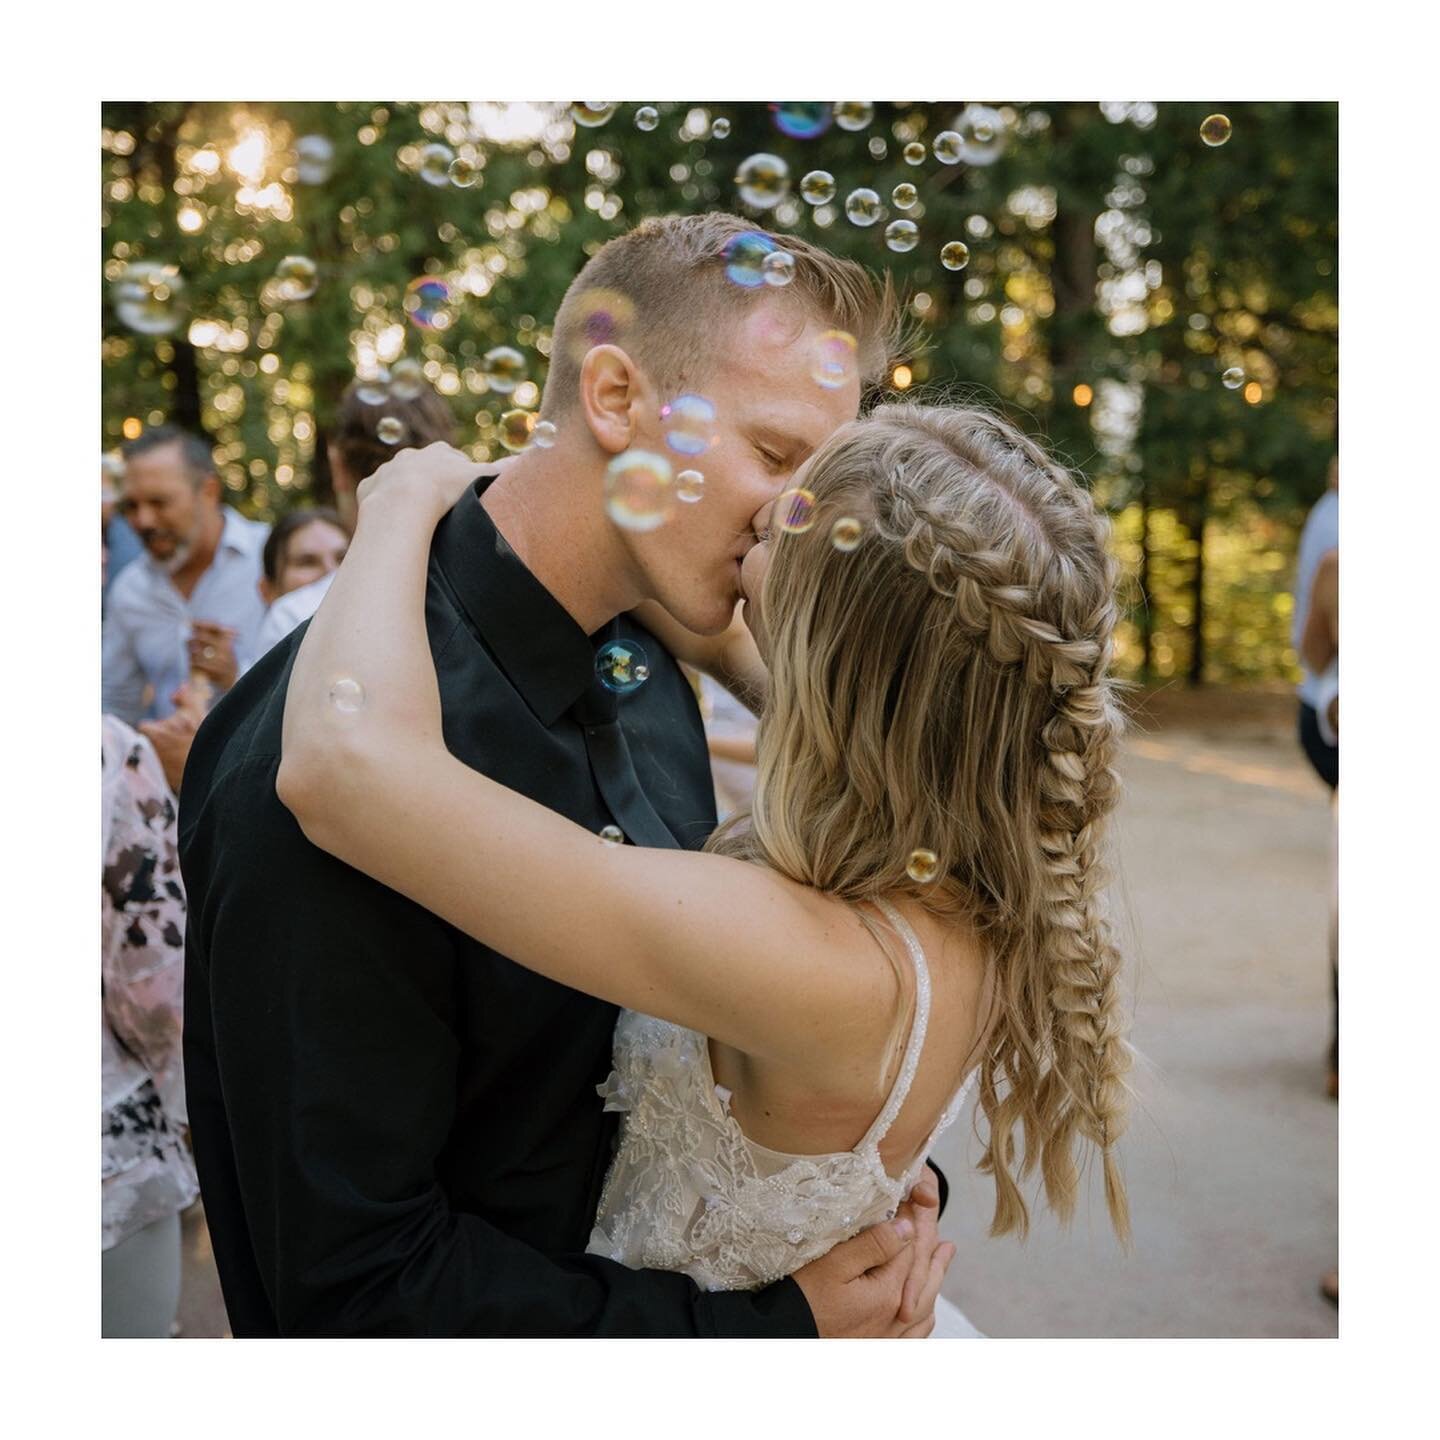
945, 686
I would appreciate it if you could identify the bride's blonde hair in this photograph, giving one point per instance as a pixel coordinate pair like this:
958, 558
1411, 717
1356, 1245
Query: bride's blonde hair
944, 687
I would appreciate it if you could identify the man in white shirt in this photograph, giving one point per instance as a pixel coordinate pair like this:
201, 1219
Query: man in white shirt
189, 607
1320, 536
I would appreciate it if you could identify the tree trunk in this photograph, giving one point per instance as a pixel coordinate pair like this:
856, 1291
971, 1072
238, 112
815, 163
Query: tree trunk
1196, 674
1147, 618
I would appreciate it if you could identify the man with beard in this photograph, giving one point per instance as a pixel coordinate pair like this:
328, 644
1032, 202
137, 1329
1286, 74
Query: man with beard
186, 610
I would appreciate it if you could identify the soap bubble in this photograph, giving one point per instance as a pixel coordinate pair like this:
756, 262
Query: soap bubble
862, 207
763, 181
955, 255
611, 835
801, 119
745, 257
795, 511
602, 318
314, 159
622, 666
543, 435
720, 130
427, 302
948, 147
638, 491
147, 297
1233, 378
923, 866
833, 361
904, 195
689, 486
688, 422
593, 113
779, 268
372, 385
1215, 129
435, 162
407, 379
817, 187
517, 427
389, 430
464, 172
347, 695
902, 235
846, 533
647, 117
914, 153
503, 369
297, 277
853, 114
982, 135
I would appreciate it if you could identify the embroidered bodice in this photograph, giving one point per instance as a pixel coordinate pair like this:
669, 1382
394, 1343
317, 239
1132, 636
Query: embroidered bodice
689, 1191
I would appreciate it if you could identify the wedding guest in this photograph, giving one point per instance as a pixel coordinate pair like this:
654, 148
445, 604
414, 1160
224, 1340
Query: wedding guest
146, 1174
118, 541
303, 546
1320, 535
189, 607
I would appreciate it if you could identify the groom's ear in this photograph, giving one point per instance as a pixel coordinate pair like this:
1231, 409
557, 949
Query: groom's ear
610, 395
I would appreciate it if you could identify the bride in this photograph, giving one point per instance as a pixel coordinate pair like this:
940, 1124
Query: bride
912, 905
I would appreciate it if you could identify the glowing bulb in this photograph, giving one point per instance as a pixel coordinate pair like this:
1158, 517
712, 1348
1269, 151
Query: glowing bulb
1083, 395
247, 156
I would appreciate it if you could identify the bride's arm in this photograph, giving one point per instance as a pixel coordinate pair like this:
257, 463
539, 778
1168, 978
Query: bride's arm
708, 942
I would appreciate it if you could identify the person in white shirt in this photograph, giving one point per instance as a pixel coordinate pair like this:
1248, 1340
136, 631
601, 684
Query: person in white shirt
1320, 536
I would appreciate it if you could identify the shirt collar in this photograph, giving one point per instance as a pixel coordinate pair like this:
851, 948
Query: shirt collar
544, 653
233, 538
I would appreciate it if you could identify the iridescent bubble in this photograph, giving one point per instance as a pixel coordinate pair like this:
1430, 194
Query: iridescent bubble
801, 119
503, 369
923, 866
427, 302
833, 361
914, 153
347, 695
517, 429
435, 162
853, 114
647, 117
407, 379
948, 147
622, 666
543, 435
639, 493
314, 159
745, 257
147, 297
1233, 378
372, 385
982, 135
720, 130
902, 235
1215, 129
795, 511
955, 255
465, 173
389, 430
817, 188
846, 533
904, 195
689, 486
602, 318
763, 181
593, 113
779, 268
612, 835
688, 422
297, 277
862, 207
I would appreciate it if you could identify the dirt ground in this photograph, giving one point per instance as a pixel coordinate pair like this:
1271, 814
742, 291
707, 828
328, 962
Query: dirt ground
1231, 1160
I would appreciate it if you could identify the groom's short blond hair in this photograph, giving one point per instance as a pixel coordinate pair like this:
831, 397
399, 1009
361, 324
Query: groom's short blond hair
675, 304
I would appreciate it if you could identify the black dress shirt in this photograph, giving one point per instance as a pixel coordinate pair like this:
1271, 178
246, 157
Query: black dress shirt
396, 1129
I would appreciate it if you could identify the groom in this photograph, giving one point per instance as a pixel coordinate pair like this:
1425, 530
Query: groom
397, 1130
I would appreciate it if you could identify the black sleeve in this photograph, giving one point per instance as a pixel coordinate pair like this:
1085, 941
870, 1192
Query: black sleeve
327, 1027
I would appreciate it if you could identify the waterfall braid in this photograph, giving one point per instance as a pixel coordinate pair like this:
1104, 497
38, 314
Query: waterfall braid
945, 687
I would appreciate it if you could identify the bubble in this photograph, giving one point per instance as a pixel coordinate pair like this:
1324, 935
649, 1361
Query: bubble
1215, 129
689, 424
593, 113
517, 428
689, 486
347, 695
914, 153
779, 268
435, 162
902, 235
543, 435
955, 255
147, 297
720, 130
647, 117
853, 114
427, 302
297, 277
832, 364
923, 866
372, 385
904, 195
745, 257
862, 207
638, 491
465, 173
622, 666
503, 369
795, 511
982, 135
612, 835
817, 187
389, 430
1233, 378
948, 147
763, 181
602, 317
407, 379
801, 119
314, 159
846, 533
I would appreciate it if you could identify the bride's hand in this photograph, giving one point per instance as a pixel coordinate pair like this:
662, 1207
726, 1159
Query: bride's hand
429, 480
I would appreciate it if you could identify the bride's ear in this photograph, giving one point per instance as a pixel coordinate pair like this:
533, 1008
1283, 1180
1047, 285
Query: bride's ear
610, 395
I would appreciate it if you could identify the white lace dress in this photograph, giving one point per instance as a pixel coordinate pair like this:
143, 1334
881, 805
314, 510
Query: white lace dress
689, 1191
